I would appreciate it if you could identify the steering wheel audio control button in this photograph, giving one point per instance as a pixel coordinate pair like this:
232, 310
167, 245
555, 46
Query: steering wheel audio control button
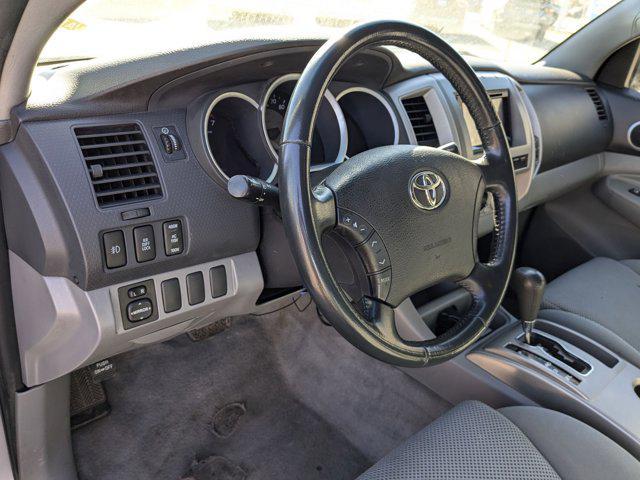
353, 227
374, 254
380, 284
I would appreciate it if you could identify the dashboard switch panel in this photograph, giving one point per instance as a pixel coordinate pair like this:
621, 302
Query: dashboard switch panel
115, 252
135, 292
173, 237
145, 243
171, 297
138, 303
218, 278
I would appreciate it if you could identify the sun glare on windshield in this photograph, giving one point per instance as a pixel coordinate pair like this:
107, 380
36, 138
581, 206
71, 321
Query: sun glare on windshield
499, 30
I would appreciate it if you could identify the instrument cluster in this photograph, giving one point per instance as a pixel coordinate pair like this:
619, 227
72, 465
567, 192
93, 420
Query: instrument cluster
242, 130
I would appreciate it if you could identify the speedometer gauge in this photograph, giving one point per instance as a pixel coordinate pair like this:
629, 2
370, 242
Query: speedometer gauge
329, 142
277, 105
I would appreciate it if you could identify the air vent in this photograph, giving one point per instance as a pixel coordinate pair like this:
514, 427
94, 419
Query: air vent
601, 110
421, 121
119, 163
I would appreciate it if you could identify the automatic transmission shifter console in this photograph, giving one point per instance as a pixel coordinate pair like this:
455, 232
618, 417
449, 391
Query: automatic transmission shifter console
528, 283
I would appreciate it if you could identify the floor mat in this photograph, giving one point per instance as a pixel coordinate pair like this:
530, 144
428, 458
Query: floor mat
314, 407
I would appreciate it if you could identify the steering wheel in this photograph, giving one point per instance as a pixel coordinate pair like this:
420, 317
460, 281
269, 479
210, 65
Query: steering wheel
411, 212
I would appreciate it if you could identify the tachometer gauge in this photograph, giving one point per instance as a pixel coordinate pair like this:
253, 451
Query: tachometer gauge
231, 122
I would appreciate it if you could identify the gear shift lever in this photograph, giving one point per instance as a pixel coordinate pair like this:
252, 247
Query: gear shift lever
528, 283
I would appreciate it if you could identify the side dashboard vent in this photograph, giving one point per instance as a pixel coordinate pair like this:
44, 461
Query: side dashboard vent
601, 110
119, 163
421, 121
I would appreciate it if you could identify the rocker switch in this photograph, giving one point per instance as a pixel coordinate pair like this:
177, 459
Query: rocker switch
173, 238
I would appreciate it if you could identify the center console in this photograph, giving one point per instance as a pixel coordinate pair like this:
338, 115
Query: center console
538, 362
566, 371
562, 369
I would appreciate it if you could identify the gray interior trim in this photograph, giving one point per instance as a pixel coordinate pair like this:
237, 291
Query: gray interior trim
298, 297
554, 183
551, 184
43, 433
592, 329
620, 163
613, 190
427, 86
522, 125
634, 64
470, 381
604, 399
61, 327
6, 473
410, 324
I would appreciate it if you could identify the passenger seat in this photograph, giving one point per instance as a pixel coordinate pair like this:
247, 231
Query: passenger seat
600, 299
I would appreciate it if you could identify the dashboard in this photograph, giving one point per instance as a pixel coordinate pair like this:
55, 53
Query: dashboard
242, 126
118, 219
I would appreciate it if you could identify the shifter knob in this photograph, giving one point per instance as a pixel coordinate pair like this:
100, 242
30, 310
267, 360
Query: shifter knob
528, 283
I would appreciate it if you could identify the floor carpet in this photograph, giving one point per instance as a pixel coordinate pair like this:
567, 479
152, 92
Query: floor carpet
281, 396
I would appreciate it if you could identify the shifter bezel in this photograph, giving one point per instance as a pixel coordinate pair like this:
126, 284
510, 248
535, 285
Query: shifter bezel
605, 393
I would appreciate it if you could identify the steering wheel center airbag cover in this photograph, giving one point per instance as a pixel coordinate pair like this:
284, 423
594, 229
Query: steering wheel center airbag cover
424, 246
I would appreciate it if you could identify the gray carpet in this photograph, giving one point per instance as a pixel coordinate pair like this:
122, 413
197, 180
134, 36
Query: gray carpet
316, 408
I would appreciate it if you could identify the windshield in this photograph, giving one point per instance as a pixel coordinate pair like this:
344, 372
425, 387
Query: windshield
499, 30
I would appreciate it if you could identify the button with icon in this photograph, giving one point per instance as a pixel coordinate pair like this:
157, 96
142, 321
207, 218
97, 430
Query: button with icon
353, 227
145, 243
380, 284
374, 254
115, 252
173, 238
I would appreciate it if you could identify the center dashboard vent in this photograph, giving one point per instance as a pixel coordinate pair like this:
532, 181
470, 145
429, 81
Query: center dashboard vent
421, 121
120, 164
601, 110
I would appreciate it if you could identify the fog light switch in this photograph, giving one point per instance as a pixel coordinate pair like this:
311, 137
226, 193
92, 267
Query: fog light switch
114, 249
